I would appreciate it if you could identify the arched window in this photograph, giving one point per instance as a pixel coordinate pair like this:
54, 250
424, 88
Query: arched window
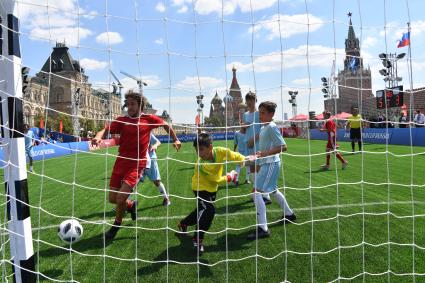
59, 94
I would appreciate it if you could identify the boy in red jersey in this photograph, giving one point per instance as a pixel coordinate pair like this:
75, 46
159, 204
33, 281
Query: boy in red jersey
134, 130
330, 128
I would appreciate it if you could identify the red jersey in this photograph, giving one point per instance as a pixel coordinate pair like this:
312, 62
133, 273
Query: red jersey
330, 127
135, 135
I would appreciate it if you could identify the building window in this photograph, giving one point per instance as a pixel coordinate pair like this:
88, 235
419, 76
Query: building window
59, 92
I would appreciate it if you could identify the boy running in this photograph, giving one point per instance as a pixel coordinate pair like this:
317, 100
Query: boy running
134, 130
152, 172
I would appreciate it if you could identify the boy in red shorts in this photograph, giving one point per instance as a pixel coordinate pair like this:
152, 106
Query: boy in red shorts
134, 130
332, 146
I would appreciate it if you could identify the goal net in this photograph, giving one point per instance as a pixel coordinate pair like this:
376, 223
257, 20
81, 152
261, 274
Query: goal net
67, 65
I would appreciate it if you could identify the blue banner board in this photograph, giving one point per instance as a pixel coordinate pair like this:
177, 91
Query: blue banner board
191, 137
47, 151
399, 136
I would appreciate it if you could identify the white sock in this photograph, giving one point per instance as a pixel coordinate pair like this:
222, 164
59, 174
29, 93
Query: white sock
261, 211
281, 200
162, 190
247, 176
238, 170
30, 168
266, 196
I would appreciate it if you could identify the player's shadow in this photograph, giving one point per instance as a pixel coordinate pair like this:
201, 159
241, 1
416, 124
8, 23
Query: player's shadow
100, 214
110, 214
318, 170
230, 242
235, 207
182, 253
51, 273
185, 168
95, 242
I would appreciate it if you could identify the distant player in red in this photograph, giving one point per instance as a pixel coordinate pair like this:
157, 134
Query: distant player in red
134, 130
331, 146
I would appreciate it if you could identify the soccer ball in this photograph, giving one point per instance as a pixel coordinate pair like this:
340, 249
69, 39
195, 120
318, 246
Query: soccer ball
70, 231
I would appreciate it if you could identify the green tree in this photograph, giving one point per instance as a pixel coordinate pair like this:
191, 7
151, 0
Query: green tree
66, 123
213, 122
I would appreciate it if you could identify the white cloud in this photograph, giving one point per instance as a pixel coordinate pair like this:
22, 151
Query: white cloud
70, 35
109, 37
159, 41
370, 41
160, 7
196, 83
182, 10
60, 22
151, 80
205, 7
92, 64
318, 56
303, 81
395, 30
289, 25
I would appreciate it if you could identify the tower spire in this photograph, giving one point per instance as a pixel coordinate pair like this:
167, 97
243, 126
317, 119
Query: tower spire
351, 33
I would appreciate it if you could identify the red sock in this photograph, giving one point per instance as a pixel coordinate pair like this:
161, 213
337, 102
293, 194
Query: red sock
339, 156
328, 158
129, 204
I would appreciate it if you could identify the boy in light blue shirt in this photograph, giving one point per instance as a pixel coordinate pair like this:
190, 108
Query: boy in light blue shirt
251, 119
240, 145
29, 144
152, 171
271, 144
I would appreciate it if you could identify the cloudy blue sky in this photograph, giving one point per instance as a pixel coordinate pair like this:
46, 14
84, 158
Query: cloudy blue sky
183, 48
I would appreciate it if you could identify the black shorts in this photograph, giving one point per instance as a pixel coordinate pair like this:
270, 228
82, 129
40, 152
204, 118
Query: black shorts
355, 134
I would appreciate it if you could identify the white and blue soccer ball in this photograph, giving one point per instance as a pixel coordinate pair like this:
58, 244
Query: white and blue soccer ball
70, 231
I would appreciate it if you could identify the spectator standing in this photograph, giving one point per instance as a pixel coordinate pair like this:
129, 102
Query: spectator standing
419, 119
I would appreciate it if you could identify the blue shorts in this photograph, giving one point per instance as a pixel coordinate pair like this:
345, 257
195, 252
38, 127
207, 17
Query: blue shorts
29, 152
266, 179
153, 172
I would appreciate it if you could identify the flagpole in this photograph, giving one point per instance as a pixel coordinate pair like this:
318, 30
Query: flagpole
409, 58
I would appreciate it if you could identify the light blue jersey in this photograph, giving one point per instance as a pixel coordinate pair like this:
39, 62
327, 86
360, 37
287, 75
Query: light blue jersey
153, 140
240, 141
152, 171
270, 137
253, 120
29, 140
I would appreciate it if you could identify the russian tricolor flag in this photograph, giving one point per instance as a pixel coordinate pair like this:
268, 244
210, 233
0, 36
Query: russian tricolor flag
405, 40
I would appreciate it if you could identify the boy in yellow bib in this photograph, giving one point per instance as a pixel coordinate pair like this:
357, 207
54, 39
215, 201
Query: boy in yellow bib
207, 177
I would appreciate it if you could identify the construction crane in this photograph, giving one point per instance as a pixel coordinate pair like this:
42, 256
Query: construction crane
120, 86
139, 81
